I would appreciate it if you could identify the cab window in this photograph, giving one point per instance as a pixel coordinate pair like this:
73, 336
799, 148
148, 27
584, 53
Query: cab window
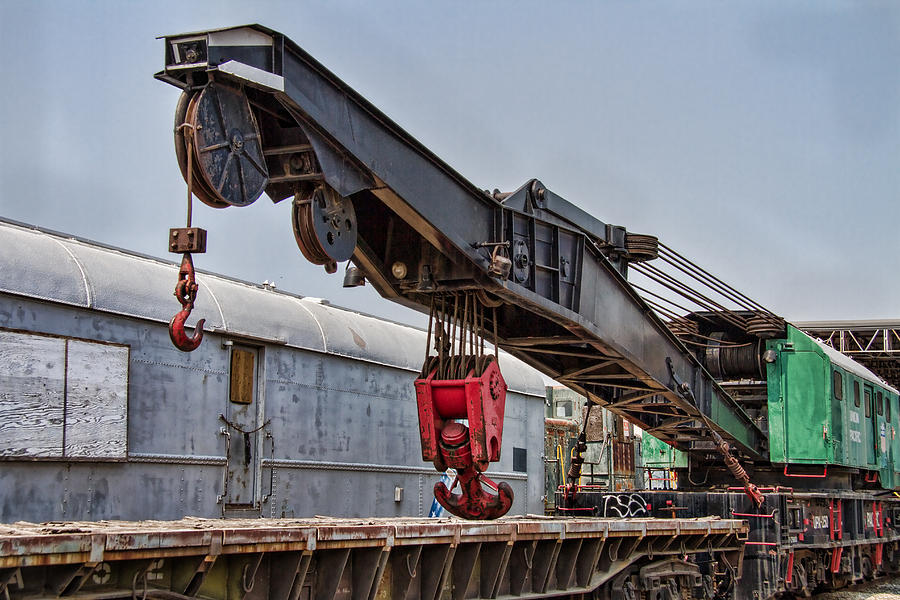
868, 399
837, 384
879, 403
856, 394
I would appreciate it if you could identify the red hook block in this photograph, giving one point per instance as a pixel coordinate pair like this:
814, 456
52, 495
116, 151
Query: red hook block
480, 398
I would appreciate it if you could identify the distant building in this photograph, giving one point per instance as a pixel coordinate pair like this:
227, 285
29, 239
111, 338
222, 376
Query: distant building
613, 446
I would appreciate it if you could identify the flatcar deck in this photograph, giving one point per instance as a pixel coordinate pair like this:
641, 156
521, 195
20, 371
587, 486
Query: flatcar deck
353, 559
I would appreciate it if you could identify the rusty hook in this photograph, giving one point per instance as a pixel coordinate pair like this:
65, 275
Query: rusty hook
474, 502
186, 292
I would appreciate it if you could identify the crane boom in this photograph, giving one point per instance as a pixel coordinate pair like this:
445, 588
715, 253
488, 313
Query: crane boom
564, 305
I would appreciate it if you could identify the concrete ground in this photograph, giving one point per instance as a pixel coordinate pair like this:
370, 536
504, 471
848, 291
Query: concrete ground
887, 589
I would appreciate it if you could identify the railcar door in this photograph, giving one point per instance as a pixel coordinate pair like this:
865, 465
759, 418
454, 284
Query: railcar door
870, 422
881, 433
242, 427
836, 429
891, 413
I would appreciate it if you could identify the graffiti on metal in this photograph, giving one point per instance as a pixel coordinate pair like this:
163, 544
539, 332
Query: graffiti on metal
623, 505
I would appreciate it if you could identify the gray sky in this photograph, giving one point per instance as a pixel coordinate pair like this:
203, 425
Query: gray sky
760, 139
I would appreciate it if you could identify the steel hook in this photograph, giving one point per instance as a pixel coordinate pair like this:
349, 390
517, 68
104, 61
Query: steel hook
186, 292
473, 502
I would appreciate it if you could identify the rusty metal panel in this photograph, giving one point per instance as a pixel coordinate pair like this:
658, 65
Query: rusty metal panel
342, 559
243, 374
187, 239
623, 458
595, 430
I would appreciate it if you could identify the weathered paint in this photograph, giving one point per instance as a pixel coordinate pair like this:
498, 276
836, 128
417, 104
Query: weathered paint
657, 454
324, 559
333, 387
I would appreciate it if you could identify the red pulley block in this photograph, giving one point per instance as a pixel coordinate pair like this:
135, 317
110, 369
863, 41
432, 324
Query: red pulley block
479, 398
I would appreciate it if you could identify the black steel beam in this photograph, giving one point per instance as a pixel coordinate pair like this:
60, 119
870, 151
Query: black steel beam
570, 295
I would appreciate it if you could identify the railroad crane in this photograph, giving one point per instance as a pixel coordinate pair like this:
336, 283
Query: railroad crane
528, 271
531, 273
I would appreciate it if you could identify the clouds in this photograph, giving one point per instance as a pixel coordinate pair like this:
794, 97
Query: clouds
762, 141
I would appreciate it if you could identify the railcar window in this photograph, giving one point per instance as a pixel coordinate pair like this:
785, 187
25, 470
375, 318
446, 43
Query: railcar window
887, 409
856, 394
879, 403
837, 384
868, 403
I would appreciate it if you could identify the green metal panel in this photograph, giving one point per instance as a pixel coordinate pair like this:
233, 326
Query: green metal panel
890, 477
836, 399
810, 424
868, 425
799, 395
657, 454
854, 424
774, 380
880, 434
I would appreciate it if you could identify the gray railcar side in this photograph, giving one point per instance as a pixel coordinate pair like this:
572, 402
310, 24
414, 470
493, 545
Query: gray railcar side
333, 399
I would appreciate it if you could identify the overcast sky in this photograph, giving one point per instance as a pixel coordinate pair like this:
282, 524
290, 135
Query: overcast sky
761, 139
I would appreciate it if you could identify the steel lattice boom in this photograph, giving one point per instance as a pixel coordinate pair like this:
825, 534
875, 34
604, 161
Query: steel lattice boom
550, 280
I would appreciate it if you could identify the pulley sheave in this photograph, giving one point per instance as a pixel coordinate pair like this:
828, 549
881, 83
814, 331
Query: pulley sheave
325, 226
229, 167
196, 182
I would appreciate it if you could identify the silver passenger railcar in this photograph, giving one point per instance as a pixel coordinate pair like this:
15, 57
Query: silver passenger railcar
290, 407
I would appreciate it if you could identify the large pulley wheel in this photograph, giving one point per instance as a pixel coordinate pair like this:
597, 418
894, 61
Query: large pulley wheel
198, 185
227, 152
325, 226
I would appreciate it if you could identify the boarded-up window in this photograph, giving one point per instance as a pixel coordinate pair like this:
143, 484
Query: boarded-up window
62, 398
242, 375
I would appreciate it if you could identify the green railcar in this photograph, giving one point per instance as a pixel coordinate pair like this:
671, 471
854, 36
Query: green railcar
660, 460
657, 454
826, 409
823, 410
